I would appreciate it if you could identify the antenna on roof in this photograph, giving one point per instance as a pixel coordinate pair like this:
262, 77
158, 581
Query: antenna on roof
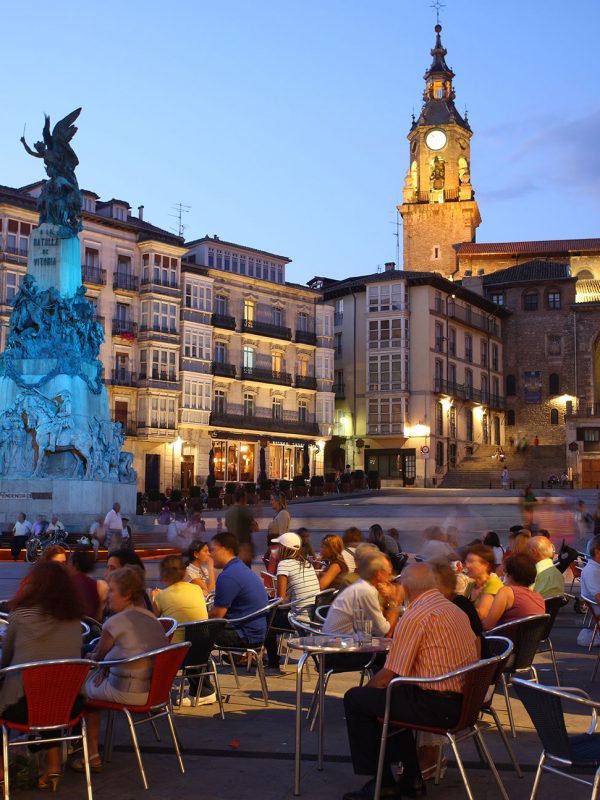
396, 234
180, 209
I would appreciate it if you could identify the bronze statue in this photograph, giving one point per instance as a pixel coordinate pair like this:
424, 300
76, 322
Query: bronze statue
60, 201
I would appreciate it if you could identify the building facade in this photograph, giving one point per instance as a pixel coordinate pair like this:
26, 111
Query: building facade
211, 360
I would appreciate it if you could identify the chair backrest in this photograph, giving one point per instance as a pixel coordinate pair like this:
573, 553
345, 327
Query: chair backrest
398, 561
321, 613
302, 627
477, 681
51, 688
544, 706
166, 662
553, 606
323, 598
169, 626
592, 605
269, 582
526, 635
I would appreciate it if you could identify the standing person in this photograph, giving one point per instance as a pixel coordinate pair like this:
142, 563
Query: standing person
536, 444
505, 478
44, 624
584, 522
280, 523
21, 532
239, 521
529, 501
114, 528
432, 637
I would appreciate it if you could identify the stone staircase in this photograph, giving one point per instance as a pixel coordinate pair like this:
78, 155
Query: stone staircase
481, 471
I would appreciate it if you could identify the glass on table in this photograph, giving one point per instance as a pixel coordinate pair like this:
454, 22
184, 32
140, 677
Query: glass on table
363, 627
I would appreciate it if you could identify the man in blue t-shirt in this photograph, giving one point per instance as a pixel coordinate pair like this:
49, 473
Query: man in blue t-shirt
238, 592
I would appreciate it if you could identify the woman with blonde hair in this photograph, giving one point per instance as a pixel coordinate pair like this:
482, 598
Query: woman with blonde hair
337, 575
280, 523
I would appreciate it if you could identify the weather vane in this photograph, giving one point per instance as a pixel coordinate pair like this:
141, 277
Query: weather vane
437, 5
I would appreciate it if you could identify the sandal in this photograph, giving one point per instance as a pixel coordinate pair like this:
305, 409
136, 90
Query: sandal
78, 764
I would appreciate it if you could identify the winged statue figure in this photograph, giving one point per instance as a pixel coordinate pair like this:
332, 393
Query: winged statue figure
60, 200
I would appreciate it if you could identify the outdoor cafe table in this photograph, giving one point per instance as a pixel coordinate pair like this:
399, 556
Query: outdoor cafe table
321, 646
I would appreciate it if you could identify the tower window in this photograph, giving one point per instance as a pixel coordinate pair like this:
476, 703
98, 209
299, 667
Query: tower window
511, 386
510, 417
436, 252
554, 416
530, 301
554, 384
554, 300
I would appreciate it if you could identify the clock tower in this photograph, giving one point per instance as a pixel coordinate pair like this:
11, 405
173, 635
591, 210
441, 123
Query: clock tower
438, 208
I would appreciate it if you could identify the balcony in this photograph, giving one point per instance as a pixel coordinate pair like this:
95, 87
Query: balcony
195, 315
157, 428
262, 420
574, 409
21, 252
306, 337
306, 382
266, 329
128, 426
482, 322
93, 275
223, 321
193, 416
162, 330
159, 379
267, 376
338, 318
385, 429
468, 393
170, 288
124, 328
125, 282
123, 377
223, 370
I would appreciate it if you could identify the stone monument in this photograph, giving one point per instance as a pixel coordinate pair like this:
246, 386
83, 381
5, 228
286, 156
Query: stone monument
59, 449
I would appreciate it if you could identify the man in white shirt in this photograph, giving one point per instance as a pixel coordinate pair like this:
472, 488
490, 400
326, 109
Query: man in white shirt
590, 574
21, 532
114, 528
55, 526
549, 582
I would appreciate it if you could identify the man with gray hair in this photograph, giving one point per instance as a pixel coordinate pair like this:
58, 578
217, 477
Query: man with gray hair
372, 591
549, 581
433, 637
590, 574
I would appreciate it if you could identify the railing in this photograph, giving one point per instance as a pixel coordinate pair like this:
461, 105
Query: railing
469, 317
223, 369
157, 425
123, 377
574, 409
128, 427
384, 428
168, 284
425, 197
266, 329
223, 321
306, 382
158, 375
338, 318
93, 275
158, 329
17, 251
469, 393
124, 327
194, 416
267, 375
263, 420
306, 337
340, 392
129, 283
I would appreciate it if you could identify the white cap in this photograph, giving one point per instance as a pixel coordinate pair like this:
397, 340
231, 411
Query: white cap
290, 540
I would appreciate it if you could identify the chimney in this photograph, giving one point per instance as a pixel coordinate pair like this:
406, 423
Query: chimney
141, 212
390, 266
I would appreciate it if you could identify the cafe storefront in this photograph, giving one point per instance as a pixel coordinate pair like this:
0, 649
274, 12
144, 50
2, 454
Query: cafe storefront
238, 460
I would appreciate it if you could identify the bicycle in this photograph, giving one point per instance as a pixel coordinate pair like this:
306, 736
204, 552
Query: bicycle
36, 545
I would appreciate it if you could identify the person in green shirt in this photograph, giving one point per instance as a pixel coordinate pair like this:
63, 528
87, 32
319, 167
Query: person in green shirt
240, 521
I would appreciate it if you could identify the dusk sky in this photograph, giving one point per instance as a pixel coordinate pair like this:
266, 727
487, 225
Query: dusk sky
283, 125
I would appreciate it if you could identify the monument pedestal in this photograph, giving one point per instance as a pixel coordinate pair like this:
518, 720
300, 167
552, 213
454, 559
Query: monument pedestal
76, 503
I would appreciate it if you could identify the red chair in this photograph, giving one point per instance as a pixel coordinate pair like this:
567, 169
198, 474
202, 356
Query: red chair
169, 626
49, 711
166, 663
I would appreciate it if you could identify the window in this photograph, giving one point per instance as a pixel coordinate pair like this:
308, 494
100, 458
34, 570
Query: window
249, 310
439, 338
385, 416
495, 357
219, 402
248, 357
164, 316
439, 375
385, 333
468, 384
197, 296
337, 339
439, 454
484, 352
17, 237
553, 345
554, 416
530, 301
324, 320
277, 362
339, 311
469, 424
277, 408
498, 298
249, 404
510, 417
385, 297
220, 353
302, 411
385, 372
511, 386
277, 317
164, 271
484, 389
452, 341
92, 258
436, 252
12, 283
196, 395
553, 300
554, 383
468, 347
452, 422
164, 365
324, 363
221, 305
338, 386
439, 419
162, 413
302, 322
451, 377
196, 345
211, 257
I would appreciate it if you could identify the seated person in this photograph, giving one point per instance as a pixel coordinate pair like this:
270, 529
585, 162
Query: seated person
515, 600
55, 525
479, 565
124, 557
297, 584
352, 538
549, 581
590, 574
130, 631
94, 591
200, 569
336, 575
307, 549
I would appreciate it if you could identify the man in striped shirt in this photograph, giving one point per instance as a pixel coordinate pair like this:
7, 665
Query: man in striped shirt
433, 637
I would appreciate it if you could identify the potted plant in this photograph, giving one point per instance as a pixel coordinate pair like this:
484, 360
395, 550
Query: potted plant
286, 488
330, 486
373, 478
317, 486
251, 493
345, 483
266, 487
214, 498
358, 480
299, 486
229, 490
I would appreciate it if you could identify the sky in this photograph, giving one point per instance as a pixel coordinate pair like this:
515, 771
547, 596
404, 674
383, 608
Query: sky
282, 125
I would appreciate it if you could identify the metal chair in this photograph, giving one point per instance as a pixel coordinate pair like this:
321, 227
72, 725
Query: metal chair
525, 634
85, 630
49, 712
553, 606
312, 628
592, 605
321, 613
477, 678
195, 633
323, 598
566, 753
270, 583
166, 662
255, 649
169, 626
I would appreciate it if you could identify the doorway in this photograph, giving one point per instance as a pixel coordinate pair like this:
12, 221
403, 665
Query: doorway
187, 473
152, 474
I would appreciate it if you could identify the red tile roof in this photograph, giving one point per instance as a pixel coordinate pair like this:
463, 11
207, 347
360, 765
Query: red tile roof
517, 248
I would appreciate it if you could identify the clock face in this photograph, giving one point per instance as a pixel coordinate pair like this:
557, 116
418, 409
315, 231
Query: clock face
435, 139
